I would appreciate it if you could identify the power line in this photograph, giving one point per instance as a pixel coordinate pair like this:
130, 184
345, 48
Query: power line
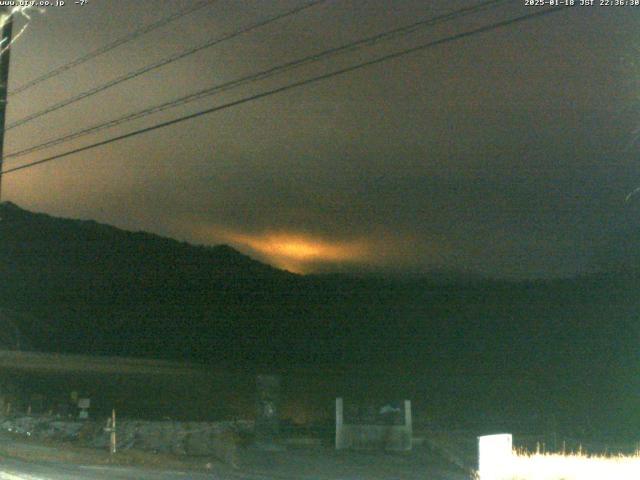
113, 45
291, 86
161, 63
368, 41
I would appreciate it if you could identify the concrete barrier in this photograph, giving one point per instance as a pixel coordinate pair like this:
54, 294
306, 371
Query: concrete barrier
389, 437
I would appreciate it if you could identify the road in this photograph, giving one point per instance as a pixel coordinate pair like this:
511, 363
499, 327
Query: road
11, 469
20, 470
23, 461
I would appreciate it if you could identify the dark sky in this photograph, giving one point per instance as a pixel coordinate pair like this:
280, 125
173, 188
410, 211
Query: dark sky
508, 153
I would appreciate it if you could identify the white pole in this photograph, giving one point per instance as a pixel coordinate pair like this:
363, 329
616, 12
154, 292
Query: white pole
339, 424
113, 431
408, 423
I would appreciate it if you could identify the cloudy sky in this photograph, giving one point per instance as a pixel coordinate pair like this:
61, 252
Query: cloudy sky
508, 153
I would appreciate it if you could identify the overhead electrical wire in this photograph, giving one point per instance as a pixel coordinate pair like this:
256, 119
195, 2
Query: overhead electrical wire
112, 46
342, 71
365, 42
161, 63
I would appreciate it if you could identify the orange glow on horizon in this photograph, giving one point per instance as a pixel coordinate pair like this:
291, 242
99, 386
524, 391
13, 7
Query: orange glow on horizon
295, 252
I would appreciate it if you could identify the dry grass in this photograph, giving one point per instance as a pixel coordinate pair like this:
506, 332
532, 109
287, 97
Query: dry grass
48, 451
569, 466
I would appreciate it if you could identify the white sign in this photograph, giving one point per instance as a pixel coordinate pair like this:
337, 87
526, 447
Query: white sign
494, 456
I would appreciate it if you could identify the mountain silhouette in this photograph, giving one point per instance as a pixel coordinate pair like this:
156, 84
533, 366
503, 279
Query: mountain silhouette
459, 344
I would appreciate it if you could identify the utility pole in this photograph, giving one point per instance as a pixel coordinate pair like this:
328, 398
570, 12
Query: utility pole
5, 35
